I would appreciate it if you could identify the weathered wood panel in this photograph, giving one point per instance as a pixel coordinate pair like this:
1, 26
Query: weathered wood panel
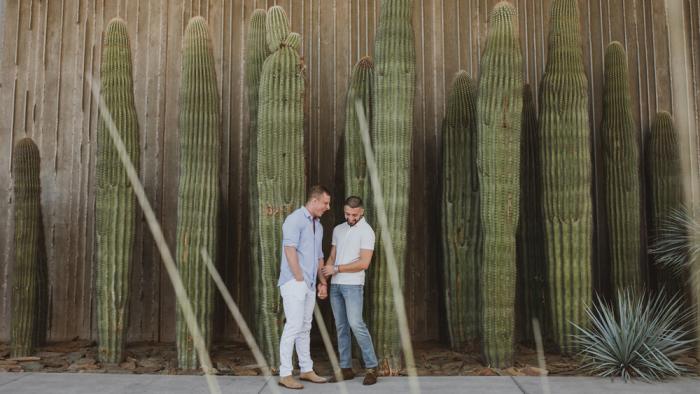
51, 51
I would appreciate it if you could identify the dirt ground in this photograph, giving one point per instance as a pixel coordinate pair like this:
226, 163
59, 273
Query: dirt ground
432, 359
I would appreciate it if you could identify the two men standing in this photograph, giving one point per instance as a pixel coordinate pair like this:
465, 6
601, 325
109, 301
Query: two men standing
302, 264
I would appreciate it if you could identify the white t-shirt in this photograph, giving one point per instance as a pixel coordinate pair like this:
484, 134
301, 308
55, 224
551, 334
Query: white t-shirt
348, 240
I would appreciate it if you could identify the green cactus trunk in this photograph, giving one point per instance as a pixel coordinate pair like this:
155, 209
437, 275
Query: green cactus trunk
621, 163
355, 165
499, 111
115, 202
198, 191
280, 165
392, 130
256, 53
532, 271
566, 176
461, 242
666, 185
26, 291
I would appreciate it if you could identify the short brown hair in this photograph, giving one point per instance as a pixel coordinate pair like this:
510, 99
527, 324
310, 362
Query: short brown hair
353, 202
317, 191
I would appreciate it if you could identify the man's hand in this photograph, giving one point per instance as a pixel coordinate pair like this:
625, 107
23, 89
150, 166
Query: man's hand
322, 291
328, 270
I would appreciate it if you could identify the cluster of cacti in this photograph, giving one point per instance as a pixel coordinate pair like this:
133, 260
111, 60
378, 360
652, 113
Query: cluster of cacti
566, 175
499, 106
461, 244
280, 167
256, 53
26, 308
355, 165
532, 269
621, 163
665, 184
115, 202
392, 129
198, 189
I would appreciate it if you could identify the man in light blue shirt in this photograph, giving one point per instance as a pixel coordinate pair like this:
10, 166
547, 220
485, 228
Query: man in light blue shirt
302, 259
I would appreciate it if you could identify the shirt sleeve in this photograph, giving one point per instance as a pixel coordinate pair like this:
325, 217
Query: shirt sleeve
334, 240
367, 241
290, 232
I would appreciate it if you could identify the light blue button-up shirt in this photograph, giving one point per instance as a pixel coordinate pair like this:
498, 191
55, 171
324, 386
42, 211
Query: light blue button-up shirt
298, 231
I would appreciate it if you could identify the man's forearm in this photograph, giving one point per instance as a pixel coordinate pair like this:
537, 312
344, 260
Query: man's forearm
321, 277
293, 260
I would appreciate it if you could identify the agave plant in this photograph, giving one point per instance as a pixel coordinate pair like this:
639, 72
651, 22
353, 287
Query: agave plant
638, 338
677, 241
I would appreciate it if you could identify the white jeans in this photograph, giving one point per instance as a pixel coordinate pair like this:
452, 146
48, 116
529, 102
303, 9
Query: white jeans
299, 302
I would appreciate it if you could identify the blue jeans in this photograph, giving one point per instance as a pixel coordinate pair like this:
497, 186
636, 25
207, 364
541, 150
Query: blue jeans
346, 301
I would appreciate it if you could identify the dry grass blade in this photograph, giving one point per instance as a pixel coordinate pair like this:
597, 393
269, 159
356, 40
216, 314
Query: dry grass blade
238, 317
389, 250
159, 239
329, 349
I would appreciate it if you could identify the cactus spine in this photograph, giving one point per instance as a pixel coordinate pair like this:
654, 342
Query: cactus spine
566, 175
198, 189
666, 183
532, 270
115, 202
256, 53
621, 162
499, 111
355, 166
460, 213
26, 284
280, 166
392, 128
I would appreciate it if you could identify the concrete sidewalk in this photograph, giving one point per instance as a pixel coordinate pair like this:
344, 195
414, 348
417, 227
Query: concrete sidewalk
86, 383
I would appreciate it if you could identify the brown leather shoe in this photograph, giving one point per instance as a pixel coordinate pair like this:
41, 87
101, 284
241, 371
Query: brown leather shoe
370, 377
348, 374
290, 383
312, 377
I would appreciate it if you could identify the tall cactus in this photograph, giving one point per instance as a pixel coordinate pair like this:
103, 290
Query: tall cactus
256, 53
355, 165
115, 202
566, 175
26, 284
532, 270
499, 111
621, 163
198, 189
461, 242
392, 130
666, 183
280, 165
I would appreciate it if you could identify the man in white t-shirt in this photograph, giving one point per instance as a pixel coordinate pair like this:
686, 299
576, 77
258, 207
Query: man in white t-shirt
351, 253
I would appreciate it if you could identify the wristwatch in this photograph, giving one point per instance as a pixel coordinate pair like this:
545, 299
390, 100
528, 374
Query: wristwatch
335, 269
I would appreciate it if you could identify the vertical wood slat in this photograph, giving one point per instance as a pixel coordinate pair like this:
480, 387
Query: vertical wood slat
51, 49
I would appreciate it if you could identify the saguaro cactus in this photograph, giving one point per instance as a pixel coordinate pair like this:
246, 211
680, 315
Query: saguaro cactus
355, 165
532, 270
392, 128
499, 107
256, 53
666, 184
115, 202
566, 175
26, 276
280, 164
621, 162
461, 242
198, 189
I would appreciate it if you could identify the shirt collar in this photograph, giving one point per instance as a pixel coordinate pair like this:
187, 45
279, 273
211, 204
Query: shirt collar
306, 212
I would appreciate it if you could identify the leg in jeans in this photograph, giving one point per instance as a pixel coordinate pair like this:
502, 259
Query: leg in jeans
293, 297
303, 339
353, 295
341, 326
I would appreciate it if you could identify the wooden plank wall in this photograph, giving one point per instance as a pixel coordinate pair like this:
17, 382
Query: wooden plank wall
51, 50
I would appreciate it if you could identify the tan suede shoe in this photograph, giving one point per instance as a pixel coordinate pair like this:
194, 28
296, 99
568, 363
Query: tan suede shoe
370, 377
312, 377
347, 374
290, 383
